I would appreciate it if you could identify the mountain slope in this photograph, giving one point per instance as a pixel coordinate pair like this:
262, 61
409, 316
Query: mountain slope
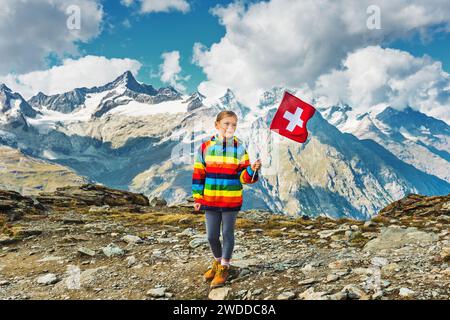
14, 109
29, 176
129, 135
413, 137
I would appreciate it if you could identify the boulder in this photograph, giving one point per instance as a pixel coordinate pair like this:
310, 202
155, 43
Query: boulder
14, 206
130, 239
157, 292
219, 293
92, 195
158, 202
288, 295
394, 237
415, 204
112, 250
47, 279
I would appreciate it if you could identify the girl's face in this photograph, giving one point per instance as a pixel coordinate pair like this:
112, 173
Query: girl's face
227, 127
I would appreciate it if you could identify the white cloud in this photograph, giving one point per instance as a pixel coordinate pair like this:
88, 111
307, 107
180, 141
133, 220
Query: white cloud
88, 71
31, 30
148, 6
373, 75
127, 3
292, 42
170, 70
126, 23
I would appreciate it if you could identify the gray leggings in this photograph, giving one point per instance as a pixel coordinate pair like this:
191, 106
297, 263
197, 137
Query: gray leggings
213, 221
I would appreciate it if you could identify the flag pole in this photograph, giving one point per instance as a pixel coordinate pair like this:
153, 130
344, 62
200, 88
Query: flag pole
253, 175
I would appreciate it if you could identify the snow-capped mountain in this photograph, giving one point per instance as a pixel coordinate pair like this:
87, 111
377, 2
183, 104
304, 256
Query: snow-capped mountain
229, 102
14, 109
332, 174
132, 136
97, 101
412, 136
195, 101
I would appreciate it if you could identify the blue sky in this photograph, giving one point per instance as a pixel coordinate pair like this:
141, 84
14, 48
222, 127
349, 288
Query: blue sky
148, 36
438, 48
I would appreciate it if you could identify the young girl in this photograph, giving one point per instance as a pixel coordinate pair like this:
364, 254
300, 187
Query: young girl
221, 167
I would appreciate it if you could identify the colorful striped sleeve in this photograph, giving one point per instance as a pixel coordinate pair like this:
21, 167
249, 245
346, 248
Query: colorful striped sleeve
199, 175
245, 170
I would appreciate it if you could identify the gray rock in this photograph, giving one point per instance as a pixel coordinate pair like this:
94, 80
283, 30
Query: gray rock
158, 202
86, 251
394, 237
310, 294
245, 263
112, 250
90, 276
337, 296
194, 243
92, 194
332, 277
47, 279
157, 292
131, 261
4, 283
379, 261
221, 293
288, 295
241, 292
130, 239
328, 233
257, 292
406, 293
353, 292
370, 224
189, 232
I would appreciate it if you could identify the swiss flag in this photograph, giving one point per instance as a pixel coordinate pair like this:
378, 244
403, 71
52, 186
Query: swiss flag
291, 118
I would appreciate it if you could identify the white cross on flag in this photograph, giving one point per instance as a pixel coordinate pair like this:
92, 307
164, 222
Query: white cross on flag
291, 118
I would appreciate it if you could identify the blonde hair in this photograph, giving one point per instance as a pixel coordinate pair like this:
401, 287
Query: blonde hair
224, 114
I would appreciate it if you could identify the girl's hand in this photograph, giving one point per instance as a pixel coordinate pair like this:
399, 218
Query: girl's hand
256, 165
197, 206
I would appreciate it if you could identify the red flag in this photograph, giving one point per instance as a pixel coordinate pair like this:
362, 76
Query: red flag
291, 118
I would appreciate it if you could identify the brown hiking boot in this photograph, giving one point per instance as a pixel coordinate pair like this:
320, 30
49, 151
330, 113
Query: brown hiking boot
209, 275
220, 277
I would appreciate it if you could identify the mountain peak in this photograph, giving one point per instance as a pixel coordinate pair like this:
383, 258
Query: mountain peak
197, 95
3, 87
125, 78
128, 81
195, 100
229, 97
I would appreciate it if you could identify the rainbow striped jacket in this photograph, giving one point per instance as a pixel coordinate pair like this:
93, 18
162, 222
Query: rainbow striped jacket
220, 169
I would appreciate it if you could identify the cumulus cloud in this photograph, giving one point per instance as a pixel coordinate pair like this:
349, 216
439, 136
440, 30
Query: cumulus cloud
147, 6
31, 30
170, 70
88, 71
375, 75
290, 43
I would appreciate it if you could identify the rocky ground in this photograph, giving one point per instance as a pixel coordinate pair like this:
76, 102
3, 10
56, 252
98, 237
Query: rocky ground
92, 242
